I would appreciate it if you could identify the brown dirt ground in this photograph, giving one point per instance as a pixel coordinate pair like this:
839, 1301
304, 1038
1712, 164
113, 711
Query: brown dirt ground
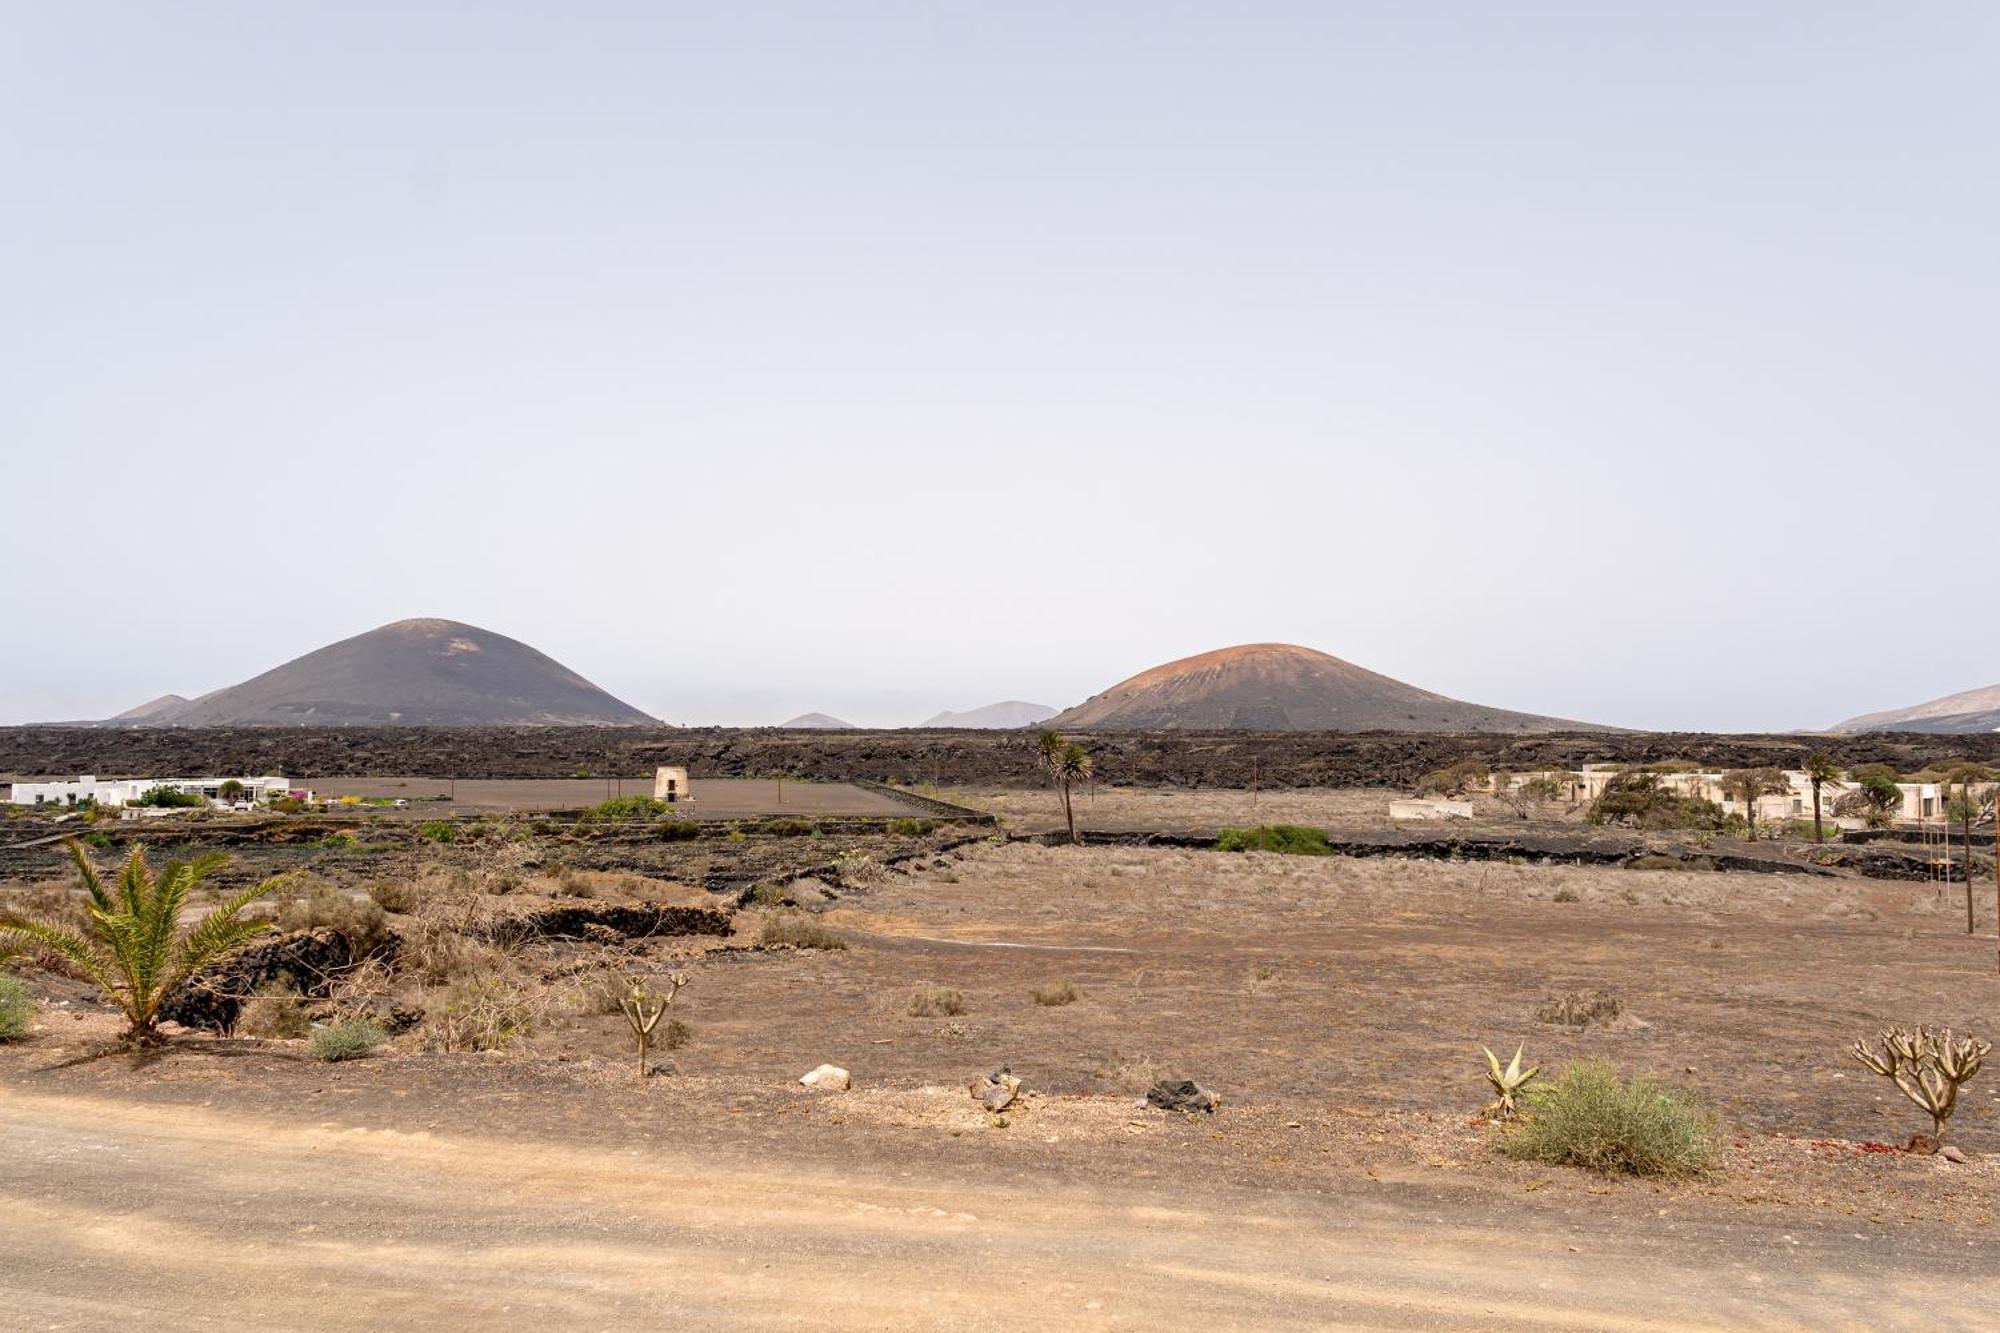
1336, 1004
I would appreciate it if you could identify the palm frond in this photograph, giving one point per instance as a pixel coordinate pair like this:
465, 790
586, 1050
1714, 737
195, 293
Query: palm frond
86, 870
221, 931
76, 953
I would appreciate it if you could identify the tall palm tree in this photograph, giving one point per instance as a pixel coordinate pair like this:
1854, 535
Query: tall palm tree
1067, 764
132, 945
1820, 769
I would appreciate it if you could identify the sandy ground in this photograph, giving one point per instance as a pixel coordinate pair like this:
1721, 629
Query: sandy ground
1337, 1004
209, 1219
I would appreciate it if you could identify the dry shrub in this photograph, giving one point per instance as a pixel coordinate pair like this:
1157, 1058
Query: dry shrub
798, 931
1057, 993
603, 993
393, 895
481, 1013
274, 1009
361, 920
1593, 1119
1567, 895
1135, 1073
936, 1002
1578, 1008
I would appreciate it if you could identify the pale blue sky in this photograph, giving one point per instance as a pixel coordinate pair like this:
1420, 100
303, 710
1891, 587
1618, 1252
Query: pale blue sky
1626, 362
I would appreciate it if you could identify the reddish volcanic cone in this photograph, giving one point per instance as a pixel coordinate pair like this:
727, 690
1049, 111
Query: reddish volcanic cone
1283, 687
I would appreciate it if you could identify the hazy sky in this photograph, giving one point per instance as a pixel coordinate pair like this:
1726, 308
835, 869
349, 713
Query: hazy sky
1632, 363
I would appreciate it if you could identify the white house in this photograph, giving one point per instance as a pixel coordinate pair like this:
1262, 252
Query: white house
112, 793
1921, 800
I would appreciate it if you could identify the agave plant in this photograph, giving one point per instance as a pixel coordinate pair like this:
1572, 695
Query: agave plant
132, 945
1929, 1066
1506, 1082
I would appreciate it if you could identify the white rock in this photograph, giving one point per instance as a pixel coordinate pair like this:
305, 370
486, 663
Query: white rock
831, 1077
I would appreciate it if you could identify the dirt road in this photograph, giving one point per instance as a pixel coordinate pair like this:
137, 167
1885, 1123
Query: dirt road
114, 1212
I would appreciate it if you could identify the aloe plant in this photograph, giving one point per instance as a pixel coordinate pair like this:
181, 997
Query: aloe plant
1507, 1082
132, 945
1928, 1066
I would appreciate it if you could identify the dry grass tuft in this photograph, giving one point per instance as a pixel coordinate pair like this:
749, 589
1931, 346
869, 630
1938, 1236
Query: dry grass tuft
936, 1002
1057, 994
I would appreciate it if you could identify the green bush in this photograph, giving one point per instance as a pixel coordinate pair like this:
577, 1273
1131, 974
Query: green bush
787, 828
438, 830
679, 830
349, 1039
1636, 799
911, 828
17, 1007
626, 808
1290, 839
1593, 1119
167, 798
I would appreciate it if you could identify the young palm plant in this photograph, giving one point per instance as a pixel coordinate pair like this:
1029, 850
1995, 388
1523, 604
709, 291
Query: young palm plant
132, 945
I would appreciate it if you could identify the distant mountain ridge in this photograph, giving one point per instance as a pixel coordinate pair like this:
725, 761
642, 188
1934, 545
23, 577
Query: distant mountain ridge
817, 722
1283, 687
1954, 714
413, 673
1004, 716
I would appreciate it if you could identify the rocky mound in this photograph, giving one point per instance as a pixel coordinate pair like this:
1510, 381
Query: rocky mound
414, 673
1282, 687
1955, 714
995, 717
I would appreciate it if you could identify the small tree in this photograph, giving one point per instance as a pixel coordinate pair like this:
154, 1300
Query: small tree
1067, 763
1928, 1066
232, 790
1749, 785
1820, 770
132, 946
644, 1007
1967, 809
1525, 794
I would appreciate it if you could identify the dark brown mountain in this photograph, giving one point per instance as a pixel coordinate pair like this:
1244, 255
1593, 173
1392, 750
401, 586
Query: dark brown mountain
1282, 687
414, 673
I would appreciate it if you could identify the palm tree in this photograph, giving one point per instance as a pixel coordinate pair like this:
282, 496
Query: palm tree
1067, 764
1749, 784
132, 945
1967, 809
1820, 769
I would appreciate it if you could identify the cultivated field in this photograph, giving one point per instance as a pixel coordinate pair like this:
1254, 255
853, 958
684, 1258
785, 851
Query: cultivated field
1337, 1006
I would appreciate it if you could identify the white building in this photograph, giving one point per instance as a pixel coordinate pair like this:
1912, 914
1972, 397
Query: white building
113, 793
1921, 800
